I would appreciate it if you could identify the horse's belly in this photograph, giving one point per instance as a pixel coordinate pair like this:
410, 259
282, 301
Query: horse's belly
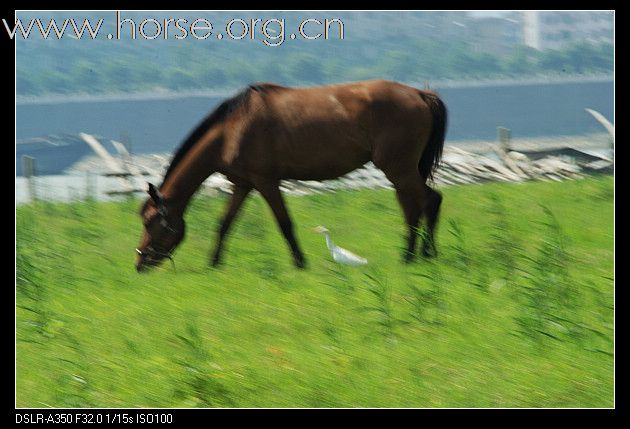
327, 173
316, 155
313, 151
318, 167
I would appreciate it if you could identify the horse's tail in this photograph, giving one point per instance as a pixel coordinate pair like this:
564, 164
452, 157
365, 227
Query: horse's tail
433, 152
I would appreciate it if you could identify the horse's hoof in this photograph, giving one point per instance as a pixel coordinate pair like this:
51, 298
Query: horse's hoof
300, 263
215, 263
408, 257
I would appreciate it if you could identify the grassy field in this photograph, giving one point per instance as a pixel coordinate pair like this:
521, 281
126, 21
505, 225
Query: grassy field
517, 310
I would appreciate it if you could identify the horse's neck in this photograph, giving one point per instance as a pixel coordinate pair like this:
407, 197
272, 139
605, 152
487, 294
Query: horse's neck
187, 177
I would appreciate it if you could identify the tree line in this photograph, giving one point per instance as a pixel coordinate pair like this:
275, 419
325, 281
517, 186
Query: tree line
63, 69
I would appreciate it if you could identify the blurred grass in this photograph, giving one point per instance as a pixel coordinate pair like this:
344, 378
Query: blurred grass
516, 311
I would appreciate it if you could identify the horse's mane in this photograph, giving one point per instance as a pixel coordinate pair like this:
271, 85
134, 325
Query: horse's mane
219, 114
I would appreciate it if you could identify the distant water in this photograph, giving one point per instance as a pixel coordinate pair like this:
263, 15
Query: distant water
159, 125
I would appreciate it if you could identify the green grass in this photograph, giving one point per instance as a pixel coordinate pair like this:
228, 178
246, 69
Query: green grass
516, 311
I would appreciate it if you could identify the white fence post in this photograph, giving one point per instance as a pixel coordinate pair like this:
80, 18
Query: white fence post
29, 172
504, 135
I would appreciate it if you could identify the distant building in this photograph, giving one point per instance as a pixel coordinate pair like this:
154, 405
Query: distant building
495, 35
429, 24
555, 29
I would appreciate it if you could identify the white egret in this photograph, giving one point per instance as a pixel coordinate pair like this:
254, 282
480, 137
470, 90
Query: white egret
340, 255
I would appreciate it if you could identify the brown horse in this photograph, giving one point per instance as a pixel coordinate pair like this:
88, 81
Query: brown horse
268, 133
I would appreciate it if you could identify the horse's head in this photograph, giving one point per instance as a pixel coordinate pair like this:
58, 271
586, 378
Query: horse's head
163, 231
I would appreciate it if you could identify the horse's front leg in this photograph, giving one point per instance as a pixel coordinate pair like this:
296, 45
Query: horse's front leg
270, 190
239, 194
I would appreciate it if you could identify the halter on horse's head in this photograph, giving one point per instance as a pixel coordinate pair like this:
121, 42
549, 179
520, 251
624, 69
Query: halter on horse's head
162, 231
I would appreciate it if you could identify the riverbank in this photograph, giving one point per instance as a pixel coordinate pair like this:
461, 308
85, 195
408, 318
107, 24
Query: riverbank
168, 94
85, 178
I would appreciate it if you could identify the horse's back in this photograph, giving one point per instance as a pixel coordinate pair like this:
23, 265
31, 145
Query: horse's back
325, 131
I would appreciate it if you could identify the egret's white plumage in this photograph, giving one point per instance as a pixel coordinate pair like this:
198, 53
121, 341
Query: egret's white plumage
339, 254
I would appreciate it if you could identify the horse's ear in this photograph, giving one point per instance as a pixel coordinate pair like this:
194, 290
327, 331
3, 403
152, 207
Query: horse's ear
154, 193
156, 196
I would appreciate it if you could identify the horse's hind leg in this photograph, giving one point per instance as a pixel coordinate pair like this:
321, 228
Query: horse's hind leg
270, 191
239, 195
432, 210
412, 217
411, 194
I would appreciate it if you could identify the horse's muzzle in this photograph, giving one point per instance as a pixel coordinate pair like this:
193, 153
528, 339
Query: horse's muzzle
143, 261
141, 267
149, 259
144, 265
